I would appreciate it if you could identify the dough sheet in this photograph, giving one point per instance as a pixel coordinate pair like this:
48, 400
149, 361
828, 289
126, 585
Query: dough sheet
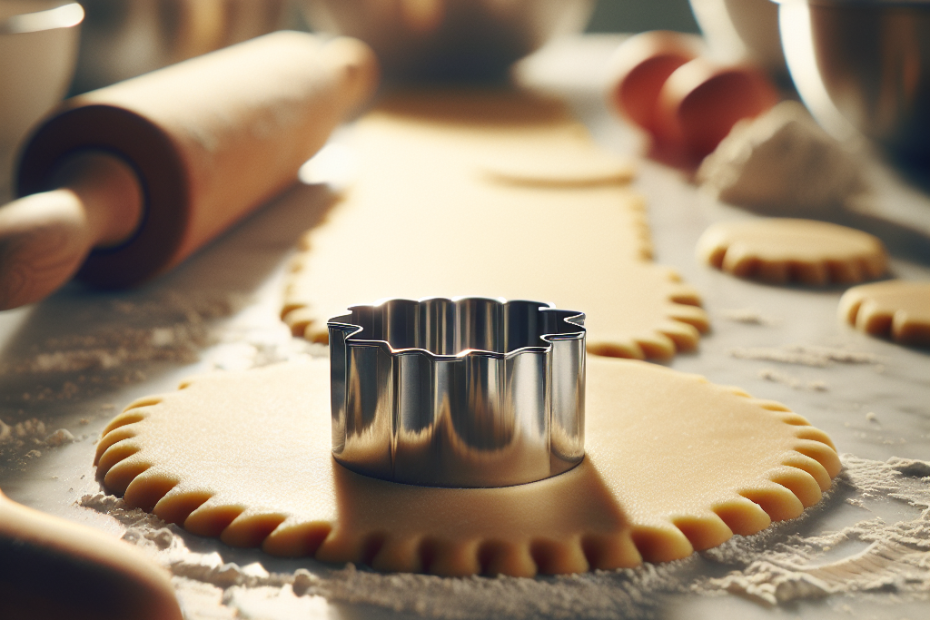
897, 309
782, 251
495, 195
674, 464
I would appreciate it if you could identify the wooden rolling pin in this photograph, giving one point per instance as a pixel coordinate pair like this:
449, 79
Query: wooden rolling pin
137, 176
54, 569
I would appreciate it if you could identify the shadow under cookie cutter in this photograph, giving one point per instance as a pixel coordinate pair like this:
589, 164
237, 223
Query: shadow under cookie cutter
464, 392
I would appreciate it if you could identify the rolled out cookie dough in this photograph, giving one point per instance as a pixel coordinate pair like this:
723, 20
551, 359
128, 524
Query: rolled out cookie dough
896, 309
673, 464
425, 218
781, 251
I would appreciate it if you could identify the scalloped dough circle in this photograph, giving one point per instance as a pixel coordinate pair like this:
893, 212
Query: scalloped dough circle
673, 464
897, 309
421, 222
780, 251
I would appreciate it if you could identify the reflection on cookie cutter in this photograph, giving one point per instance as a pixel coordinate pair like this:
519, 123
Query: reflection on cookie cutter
465, 392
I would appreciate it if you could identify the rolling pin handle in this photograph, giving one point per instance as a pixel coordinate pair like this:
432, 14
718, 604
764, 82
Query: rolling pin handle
45, 238
360, 69
95, 575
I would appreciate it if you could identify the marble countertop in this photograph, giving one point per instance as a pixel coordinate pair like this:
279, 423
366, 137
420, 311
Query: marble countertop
75, 359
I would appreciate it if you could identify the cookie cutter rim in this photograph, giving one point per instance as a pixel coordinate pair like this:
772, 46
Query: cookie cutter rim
476, 392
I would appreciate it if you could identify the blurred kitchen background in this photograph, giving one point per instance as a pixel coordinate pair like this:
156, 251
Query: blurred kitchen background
120, 29
638, 16
49, 50
877, 55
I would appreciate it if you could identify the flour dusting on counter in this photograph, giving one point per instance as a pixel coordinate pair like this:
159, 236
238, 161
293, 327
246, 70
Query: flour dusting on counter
69, 362
749, 316
896, 560
776, 376
24, 441
806, 355
184, 329
778, 566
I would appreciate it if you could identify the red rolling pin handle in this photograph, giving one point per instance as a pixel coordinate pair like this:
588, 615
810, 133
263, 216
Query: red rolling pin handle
137, 176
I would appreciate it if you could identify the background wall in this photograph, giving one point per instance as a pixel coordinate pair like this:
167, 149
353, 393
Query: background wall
638, 15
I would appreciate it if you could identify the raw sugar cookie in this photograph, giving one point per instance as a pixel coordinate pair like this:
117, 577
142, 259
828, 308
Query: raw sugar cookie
782, 251
673, 464
576, 163
896, 309
432, 215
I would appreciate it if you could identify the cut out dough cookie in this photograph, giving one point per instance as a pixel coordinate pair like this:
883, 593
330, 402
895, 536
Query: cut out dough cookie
779, 251
424, 221
673, 464
573, 164
897, 309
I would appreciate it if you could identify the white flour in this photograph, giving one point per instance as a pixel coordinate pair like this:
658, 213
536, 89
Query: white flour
782, 163
776, 376
806, 355
896, 560
749, 316
783, 564
21, 442
130, 336
183, 330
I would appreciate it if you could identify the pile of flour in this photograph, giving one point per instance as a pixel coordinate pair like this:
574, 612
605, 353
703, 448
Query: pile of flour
782, 163
782, 565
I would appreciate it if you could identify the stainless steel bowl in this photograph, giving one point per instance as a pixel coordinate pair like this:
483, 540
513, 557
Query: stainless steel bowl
449, 39
872, 60
125, 38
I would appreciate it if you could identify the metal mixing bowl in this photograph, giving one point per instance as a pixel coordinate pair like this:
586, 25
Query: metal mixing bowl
872, 59
450, 39
125, 38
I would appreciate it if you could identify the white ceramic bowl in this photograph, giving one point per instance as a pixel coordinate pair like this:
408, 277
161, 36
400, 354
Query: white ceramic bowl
38, 49
449, 39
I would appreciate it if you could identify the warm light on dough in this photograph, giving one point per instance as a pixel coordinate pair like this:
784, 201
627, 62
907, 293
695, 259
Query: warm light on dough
897, 309
425, 219
673, 464
781, 251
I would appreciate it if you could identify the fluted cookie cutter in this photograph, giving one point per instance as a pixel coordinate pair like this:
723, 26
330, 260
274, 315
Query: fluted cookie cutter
465, 392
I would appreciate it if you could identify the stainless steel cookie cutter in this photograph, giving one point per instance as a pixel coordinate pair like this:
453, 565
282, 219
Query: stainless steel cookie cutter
465, 392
